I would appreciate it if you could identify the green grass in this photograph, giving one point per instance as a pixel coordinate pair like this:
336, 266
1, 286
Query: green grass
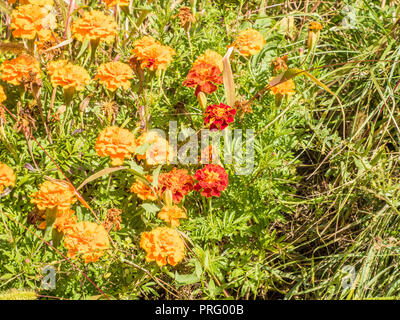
325, 189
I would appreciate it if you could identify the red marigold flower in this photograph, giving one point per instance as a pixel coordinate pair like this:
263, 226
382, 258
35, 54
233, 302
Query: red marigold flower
212, 179
219, 116
178, 181
204, 77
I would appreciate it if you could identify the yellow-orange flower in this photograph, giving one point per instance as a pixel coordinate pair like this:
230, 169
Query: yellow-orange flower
3, 96
171, 215
159, 151
27, 20
152, 54
121, 3
46, 39
64, 223
115, 75
53, 195
7, 177
142, 190
116, 143
315, 26
21, 68
249, 42
284, 89
210, 57
87, 239
68, 75
96, 26
163, 245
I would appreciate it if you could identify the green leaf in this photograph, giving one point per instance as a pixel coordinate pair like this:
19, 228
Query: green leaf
150, 207
186, 279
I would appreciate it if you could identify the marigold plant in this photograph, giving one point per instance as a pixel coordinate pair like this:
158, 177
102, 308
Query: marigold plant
53, 195
96, 26
152, 54
116, 143
142, 190
7, 177
88, 239
28, 20
249, 42
212, 179
163, 245
159, 150
20, 69
285, 88
219, 116
178, 181
171, 215
67, 75
114, 75
204, 77
210, 57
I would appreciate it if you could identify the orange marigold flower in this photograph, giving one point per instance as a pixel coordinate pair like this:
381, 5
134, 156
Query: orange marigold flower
152, 54
96, 26
284, 89
7, 177
121, 3
65, 221
210, 57
212, 179
28, 20
204, 78
3, 96
171, 215
315, 26
46, 39
115, 75
53, 195
142, 190
116, 143
68, 75
178, 181
163, 245
159, 151
88, 239
219, 116
249, 42
19, 69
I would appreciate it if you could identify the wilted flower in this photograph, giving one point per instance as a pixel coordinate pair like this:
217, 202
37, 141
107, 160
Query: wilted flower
279, 64
116, 143
159, 150
249, 42
28, 20
313, 34
96, 26
53, 195
19, 69
152, 54
178, 181
171, 215
212, 179
186, 17
142, 190
87, 239
114, 75
204, 77
163, 245
7, 177
219, 116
